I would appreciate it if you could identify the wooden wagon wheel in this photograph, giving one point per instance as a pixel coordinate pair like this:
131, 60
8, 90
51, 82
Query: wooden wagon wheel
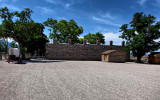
8, 59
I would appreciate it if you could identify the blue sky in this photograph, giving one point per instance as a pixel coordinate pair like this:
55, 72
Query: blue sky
105, 16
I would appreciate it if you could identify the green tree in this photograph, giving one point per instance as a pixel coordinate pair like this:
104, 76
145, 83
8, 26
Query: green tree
38, 40
1, 31
13, 44
141, 34
81, 40
53, 25
63, 30
92, 38
51, 35
22, 30
3, 46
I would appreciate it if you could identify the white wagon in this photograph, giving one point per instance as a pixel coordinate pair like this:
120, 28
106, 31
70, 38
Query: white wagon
14, 55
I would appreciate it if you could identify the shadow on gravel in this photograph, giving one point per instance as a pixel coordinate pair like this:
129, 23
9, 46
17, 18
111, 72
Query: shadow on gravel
33, 61
41, 61
21, 63
153, 64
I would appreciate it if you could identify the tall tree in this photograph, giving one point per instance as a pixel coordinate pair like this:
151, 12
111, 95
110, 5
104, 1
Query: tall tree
141, 34
63, 30
92, 38
53, 25
22, 30
38, 40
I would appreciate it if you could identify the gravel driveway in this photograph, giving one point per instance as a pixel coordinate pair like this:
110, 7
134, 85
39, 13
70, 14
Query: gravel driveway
79, 80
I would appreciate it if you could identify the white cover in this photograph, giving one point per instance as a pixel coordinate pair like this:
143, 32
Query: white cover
14, 51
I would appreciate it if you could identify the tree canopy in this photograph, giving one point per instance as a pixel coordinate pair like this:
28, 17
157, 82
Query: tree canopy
24, 30
141, 34
64, 30
92, 38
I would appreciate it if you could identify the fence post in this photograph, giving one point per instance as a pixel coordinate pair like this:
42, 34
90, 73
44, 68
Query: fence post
84, 42
123, 43
54, 41
98, 42
111, 43
69, 41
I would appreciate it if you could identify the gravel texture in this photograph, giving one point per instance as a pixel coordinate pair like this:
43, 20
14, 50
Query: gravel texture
79, 80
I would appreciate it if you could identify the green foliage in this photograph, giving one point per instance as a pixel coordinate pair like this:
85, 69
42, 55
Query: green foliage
3, 46
141, 34
1, 31
81, 40
38, 40
63, 30
92, 38
25, 15
13, 44
24, 30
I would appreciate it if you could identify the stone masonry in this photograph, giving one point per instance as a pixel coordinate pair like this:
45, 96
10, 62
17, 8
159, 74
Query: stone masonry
79, 51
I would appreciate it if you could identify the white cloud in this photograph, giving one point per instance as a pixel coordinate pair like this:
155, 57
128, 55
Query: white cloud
67, 5
114, 37
53, 1
141, 2
45, 10
61, 18
104, 21
58, 2
10, 6
8, 0
99, 29
80, 37
108, 15
14, 0
157, 3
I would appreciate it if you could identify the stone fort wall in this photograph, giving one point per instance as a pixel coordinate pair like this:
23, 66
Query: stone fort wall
84, 51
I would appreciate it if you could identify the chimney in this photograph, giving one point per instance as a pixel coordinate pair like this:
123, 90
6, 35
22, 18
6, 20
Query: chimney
84, 42
123, 43
111, 43
69, 41
54, 41
98, 42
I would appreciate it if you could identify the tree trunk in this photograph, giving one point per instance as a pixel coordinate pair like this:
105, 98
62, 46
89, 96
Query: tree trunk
139, 59
22, 49
23, 53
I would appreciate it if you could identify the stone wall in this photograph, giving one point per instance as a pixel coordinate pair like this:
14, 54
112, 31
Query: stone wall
78, 51
117, 57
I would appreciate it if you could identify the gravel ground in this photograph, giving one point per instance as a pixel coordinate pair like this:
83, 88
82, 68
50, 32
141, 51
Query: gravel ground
79, 80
